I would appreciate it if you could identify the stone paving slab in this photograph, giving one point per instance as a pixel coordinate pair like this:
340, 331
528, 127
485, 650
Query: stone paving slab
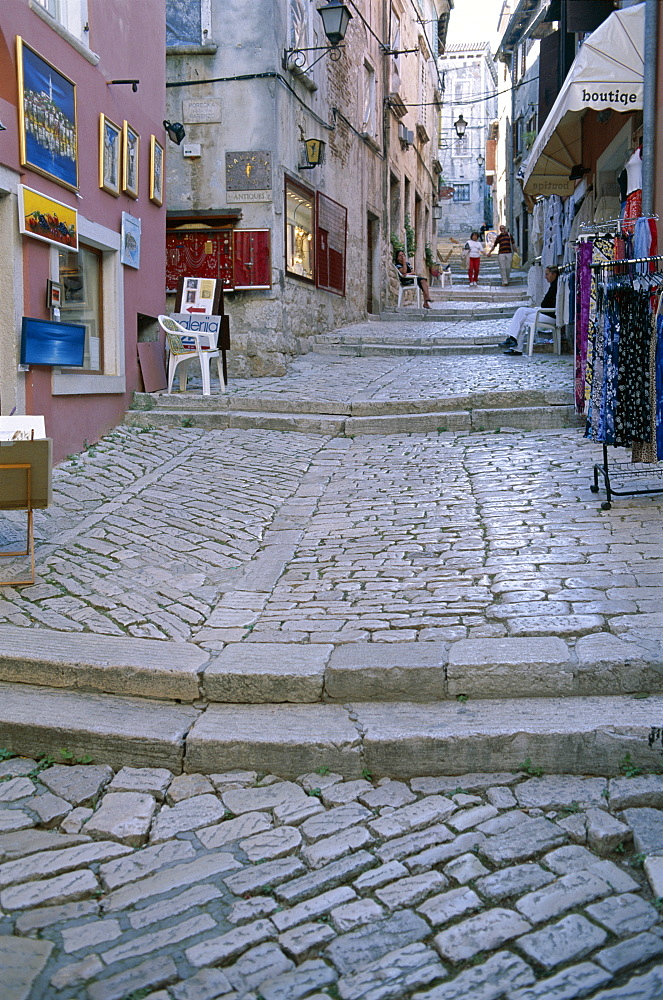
124, 666
116, 730
289, 739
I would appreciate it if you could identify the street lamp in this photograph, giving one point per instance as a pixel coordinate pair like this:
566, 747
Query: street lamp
481, 160
175, 131
335, 19
460, 126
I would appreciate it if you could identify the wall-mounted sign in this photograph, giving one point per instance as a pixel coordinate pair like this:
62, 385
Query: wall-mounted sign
47, 219
249, 171
237, 197
200, 112
48, 135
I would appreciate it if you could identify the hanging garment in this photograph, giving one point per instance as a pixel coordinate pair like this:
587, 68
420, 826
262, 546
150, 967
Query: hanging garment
645, 451
619, 405
583, 285
659, 388
634, 172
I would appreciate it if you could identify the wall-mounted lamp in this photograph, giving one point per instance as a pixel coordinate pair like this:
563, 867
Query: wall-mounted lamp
460, 125
134, 83
314, 150
481, 159
578, 172
175, 131
335, 19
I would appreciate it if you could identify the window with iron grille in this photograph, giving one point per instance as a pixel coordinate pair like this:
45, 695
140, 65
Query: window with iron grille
461, 192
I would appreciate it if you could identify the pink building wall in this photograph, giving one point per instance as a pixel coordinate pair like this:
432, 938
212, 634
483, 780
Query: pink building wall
129, 38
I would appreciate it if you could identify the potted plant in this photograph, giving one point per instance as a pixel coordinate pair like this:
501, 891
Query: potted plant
410, 238
432, 263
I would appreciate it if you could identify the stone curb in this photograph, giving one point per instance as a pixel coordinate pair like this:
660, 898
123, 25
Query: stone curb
523, 418
581, 736
527, 666
147, 668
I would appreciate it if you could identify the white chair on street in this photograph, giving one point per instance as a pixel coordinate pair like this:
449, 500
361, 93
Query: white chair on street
410, 288
543, 321
183, 345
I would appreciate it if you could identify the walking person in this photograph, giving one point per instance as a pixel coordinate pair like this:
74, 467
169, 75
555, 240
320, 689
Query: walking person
505, 251
472, 252
407, 277
525, 315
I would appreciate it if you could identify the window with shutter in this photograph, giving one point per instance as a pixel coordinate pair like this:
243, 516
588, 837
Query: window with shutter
330, 244
252, 258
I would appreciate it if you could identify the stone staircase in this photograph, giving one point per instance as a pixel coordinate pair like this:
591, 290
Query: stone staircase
574, 702
395, 710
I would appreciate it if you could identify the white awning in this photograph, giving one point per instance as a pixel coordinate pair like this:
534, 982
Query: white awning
606, 73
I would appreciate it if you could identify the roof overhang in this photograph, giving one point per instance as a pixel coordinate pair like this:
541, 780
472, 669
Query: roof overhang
607, 73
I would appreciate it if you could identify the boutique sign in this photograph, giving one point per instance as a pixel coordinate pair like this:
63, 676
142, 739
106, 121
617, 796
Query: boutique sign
598, 96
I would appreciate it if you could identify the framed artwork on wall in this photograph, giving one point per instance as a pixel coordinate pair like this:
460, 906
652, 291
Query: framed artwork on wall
110, 159
130, 147
47, 219
130, 250
156, 171
48, 131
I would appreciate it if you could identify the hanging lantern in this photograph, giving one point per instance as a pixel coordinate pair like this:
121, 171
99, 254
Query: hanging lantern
335, 19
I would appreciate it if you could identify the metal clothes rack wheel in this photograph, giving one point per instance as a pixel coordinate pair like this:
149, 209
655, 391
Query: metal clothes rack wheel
625, 472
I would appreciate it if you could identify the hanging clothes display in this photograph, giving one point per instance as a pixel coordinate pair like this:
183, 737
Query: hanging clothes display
625, 385
583, 281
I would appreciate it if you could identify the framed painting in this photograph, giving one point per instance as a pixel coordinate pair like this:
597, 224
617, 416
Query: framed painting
48, 131
156, 171
53, 294
130, 147
47, 219
130, 250
110, 159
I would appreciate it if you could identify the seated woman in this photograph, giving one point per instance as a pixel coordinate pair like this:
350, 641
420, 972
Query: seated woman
407, 277
525, 315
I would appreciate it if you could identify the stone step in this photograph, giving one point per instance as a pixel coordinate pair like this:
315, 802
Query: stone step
529, 664
221, 403
481, 419
581, 736
446, 311
364, 349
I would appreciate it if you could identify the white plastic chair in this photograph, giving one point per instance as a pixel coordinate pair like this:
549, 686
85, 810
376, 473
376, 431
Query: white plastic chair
410, 288
203, 347
544, 320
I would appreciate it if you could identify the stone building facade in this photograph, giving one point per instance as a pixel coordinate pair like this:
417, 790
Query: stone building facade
470, 90
300, 249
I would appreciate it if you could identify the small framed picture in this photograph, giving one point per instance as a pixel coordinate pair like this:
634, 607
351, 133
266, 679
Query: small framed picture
110, 147
130, 251
53, 294
130, 147
156, 171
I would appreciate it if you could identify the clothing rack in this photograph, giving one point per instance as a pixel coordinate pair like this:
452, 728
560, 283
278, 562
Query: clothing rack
628, 474
626, 260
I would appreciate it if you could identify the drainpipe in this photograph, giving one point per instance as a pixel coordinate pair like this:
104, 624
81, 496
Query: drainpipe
649, 106
511, 176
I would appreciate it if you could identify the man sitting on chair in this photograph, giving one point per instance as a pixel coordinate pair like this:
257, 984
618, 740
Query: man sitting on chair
526, 315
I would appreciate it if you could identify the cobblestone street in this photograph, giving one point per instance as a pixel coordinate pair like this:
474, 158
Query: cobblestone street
290, 653
237, 886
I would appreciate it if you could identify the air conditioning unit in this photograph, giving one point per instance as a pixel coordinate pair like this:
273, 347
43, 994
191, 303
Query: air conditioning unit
406, 135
